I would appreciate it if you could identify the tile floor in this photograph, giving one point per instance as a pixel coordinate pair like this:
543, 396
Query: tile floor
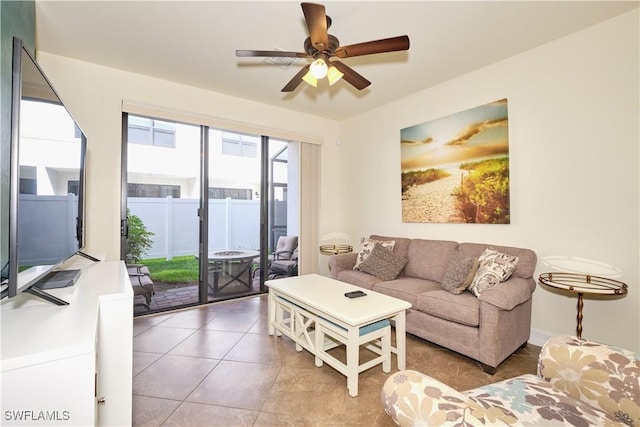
217, 366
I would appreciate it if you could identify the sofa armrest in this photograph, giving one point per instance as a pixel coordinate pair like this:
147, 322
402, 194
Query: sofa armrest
508, 294
412, 398
340, 262
603, 376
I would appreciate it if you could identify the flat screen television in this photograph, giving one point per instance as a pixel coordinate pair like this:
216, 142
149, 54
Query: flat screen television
46, 206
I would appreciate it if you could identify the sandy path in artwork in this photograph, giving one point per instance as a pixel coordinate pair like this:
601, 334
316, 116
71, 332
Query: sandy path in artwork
434, 201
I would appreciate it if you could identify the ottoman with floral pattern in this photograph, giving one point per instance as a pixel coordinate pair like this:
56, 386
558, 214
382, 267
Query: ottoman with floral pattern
579, 383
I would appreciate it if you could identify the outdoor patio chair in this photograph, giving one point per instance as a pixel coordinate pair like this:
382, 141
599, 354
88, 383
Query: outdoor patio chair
138, 270
284, 267
284, 248
140, 279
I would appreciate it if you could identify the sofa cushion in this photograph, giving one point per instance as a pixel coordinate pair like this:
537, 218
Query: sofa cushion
367, 245
532, 401
382, 263
411, 397
428, 259
358, 278
406, 288
526, 257
401, 246
603, 376
459, 274
495, 267
463, 308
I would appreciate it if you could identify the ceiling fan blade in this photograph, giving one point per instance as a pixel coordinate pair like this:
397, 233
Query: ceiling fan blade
270, 53
392, 44
296, 80
355, 79
316, 19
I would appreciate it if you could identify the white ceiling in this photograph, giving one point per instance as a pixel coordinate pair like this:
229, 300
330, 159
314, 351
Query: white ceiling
194, 42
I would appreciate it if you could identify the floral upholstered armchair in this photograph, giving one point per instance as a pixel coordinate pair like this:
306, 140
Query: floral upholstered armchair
579, 382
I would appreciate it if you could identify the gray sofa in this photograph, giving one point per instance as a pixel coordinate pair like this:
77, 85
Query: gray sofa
487, 328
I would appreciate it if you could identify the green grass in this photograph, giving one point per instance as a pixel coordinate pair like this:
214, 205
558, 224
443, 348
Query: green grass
179, 270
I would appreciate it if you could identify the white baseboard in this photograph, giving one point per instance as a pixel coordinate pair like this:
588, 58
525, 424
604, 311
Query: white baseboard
539, 337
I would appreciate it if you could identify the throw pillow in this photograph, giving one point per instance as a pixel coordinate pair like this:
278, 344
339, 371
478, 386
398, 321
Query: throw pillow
382, 263
367, 245
495, 267
460, 272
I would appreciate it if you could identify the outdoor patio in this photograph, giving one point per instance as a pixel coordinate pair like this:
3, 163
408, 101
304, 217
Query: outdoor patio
172, 295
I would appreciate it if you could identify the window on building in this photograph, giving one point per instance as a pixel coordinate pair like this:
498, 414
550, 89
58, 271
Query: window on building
73, 187
28, 180
28, 186
236, 144
153, 190
151, 132
232, 193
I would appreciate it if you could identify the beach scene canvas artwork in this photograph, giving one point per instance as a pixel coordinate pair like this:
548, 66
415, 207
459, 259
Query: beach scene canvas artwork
455, 169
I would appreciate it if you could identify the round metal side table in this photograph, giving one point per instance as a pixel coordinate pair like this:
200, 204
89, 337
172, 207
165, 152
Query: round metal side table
335, 249
583, 284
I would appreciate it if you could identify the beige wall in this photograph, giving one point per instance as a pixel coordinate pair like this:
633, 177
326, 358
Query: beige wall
573, 125
94, 95
573, 116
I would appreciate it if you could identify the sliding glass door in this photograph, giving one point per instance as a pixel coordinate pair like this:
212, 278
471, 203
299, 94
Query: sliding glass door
203, 210
233, 197
161, 227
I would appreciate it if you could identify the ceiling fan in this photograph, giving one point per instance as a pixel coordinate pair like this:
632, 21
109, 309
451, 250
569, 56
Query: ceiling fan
321, 46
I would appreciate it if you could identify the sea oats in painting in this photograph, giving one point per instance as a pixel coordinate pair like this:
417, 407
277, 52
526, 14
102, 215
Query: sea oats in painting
456, 168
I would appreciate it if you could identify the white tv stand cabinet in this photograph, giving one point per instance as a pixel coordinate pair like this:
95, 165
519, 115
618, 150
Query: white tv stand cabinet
70, 365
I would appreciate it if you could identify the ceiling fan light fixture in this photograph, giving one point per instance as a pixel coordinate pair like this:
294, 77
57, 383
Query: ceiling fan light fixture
310, 79
320, 46
333, 75
319, 68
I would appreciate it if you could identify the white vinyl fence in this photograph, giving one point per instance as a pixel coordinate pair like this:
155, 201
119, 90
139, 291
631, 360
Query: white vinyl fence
233, 224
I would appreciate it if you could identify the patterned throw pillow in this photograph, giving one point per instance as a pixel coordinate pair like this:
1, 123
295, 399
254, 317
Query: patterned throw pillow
367, 245
459, 274
382, 263
495, 267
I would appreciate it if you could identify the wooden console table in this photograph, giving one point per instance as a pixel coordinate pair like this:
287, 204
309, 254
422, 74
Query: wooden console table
583, 284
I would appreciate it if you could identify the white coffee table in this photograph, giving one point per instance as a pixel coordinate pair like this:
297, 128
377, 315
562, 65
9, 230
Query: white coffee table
315, 302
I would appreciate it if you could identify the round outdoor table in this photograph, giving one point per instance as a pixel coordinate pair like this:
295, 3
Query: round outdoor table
583, 284
228, 257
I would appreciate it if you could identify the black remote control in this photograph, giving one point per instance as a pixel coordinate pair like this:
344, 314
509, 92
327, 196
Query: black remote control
355, 294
